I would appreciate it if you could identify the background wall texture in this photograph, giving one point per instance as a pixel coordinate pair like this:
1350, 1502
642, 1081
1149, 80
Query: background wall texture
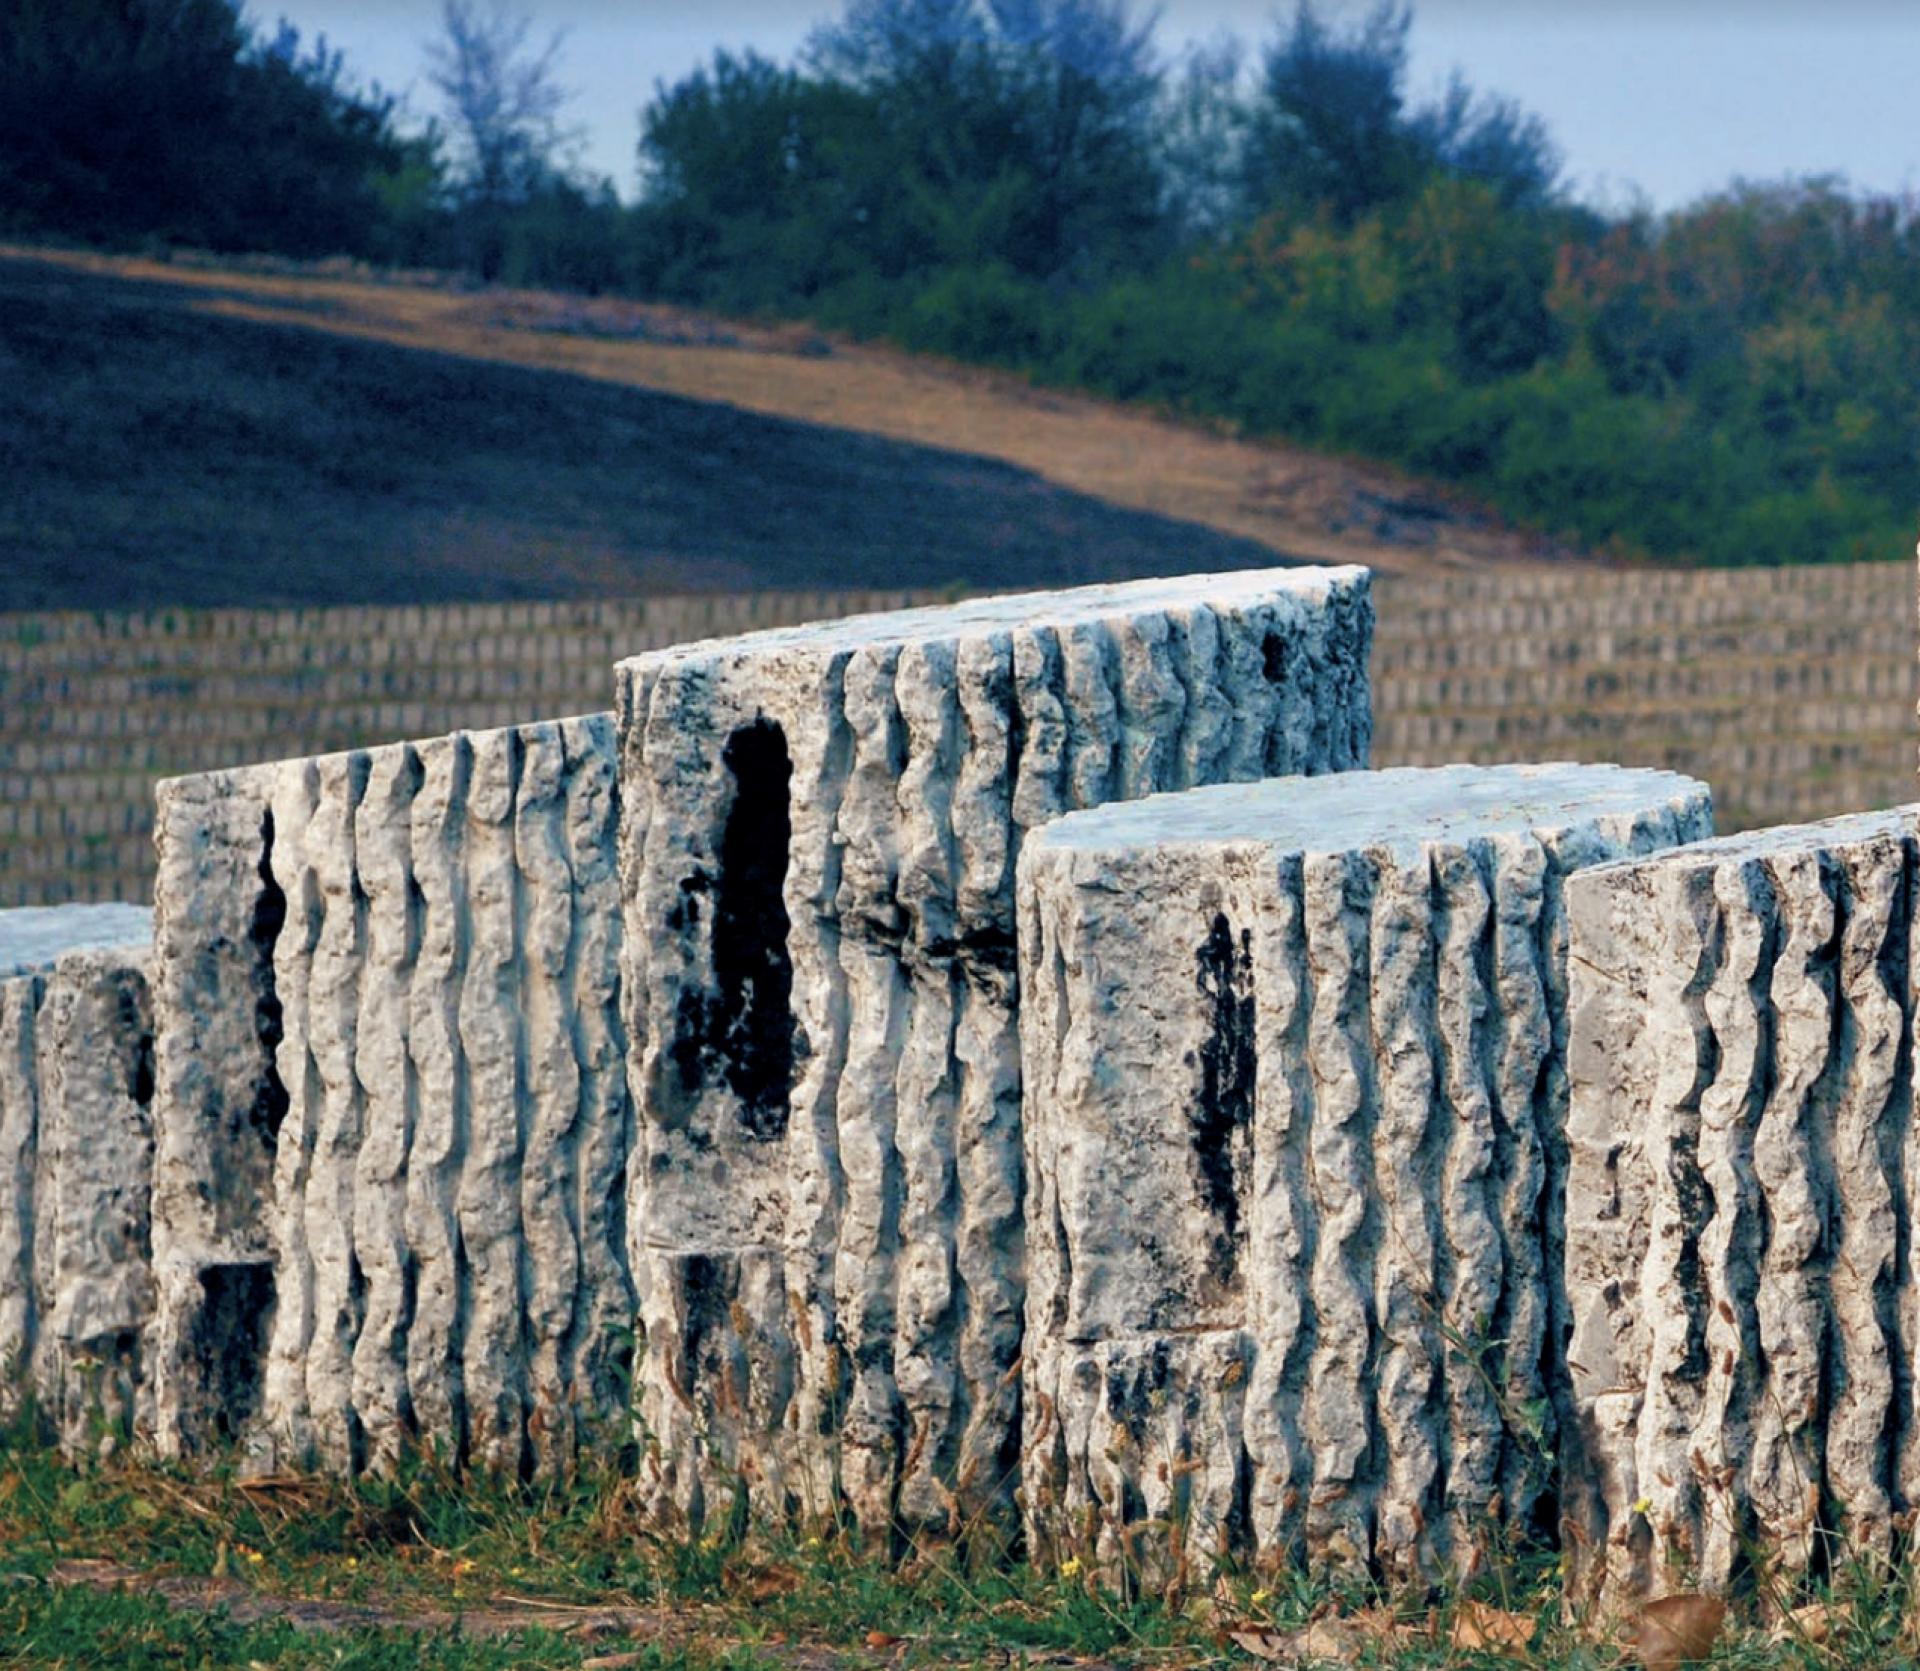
1791, 691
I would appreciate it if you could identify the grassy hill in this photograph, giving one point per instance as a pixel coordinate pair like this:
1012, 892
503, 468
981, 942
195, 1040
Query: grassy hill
159, 454
181, 437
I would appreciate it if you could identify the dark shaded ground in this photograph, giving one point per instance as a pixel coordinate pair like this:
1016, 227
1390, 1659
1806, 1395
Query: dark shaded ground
153, 455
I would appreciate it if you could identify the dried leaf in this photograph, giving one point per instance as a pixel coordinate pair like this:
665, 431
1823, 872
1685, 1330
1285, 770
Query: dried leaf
879, 1641
1817, 1623
1324, 1639
1676, 1631
613, 1662
1479, 1625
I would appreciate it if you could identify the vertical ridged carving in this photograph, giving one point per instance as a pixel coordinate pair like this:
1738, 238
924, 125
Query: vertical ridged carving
487, 1202
547, 1209
1339, 1411
1741, 1115
383, 854
335, 1123
825, 1215
435, 1338
600, 1329
19, 1147
295, 804
1406, 1292
1294, 1085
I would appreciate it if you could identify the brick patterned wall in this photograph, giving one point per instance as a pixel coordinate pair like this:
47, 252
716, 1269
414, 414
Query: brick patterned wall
1791, 691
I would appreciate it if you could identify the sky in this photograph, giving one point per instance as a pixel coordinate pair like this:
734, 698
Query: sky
1646, 100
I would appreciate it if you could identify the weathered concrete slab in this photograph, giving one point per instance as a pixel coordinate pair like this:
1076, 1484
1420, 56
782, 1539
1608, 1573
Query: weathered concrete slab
1294, 1066
392, 1110
820, 827
1742, 1171
76, 1148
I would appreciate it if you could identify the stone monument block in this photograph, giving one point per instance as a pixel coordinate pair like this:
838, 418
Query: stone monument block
1293, 1056
819, 832
76, 1161
1741, 1178
392, 1117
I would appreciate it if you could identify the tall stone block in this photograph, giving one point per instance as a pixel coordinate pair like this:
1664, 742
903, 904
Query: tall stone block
392, 1104
1294, 1057
820, 829
76, 1157
1742, 1173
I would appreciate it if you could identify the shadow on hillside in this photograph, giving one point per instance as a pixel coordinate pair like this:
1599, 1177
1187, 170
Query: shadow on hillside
155, 455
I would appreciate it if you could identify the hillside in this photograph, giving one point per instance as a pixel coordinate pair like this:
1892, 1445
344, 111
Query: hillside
174, 436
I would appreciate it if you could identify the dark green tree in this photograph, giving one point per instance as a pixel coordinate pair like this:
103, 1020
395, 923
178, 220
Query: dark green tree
165, 119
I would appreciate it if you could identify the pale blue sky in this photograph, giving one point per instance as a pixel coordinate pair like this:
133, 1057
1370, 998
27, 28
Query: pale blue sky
1670, 100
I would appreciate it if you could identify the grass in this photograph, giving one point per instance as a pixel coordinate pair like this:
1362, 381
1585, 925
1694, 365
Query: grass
136, 1565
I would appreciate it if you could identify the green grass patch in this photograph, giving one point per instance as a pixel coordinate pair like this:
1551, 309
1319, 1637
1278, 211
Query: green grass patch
135, 1565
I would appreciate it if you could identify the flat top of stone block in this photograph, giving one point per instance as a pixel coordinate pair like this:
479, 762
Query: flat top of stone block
980, 616
1781, 841
35, 937
253, 776
1346, 811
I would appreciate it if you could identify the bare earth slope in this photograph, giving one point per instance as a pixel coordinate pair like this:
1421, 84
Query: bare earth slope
173, 435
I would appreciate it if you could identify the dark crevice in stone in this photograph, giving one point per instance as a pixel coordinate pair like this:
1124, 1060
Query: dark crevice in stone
135, 1025
744, 1028
1223, 1111
270, 1100
229, 1341
1273, 658
708, 1286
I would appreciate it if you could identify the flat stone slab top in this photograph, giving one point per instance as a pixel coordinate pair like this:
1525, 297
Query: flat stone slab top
34, 936
819, 833
1293, 1067
1740, 1197
1418, 806
1060, 610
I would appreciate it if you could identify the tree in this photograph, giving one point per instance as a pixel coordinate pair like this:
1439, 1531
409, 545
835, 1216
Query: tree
504, 110
1020, 131
165, 119
1328, 129
1331, 131
1202, 138
1484, 137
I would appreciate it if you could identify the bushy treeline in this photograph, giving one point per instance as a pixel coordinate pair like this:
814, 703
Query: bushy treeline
176, 122
1284, 240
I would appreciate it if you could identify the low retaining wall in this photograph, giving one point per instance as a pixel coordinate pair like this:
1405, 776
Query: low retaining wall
76, 1155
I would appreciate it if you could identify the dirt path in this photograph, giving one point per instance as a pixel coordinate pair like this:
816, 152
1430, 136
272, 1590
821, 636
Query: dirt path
1300, 503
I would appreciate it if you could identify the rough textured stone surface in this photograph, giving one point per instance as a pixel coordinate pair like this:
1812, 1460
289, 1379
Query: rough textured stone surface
1742, 1168
76, 1158
35, 937
1293, 1056
393, 1116
820, 828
